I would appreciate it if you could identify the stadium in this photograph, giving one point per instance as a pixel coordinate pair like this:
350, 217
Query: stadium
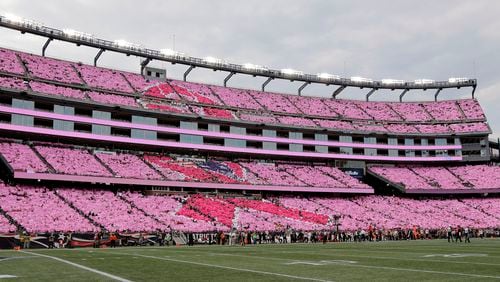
107, 174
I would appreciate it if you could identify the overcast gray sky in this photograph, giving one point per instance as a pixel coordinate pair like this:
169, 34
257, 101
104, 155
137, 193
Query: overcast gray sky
375, 39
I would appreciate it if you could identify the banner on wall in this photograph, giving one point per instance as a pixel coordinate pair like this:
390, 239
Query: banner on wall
357, 173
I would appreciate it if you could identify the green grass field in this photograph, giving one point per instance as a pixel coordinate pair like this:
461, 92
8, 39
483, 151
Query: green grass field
383, 261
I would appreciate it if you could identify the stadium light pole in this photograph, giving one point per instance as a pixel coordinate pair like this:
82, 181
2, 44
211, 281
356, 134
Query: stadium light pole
302, 87
144, 64
437, 94
266, 83
228, 77
337, 91
186, 73
44, 48
96, 58
403, 94
370, 93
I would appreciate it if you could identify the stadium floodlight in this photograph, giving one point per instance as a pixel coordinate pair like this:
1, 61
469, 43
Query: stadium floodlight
457, 79
360, 79
250, 66
125, 44
13, 18
392, 81
213, 60
76, 34
423, 81
291, 72
325, 75
169, 52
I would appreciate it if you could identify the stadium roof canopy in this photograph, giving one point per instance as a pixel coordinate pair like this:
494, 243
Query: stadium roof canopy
174, 57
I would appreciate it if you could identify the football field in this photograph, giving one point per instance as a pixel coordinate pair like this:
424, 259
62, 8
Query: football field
435, 260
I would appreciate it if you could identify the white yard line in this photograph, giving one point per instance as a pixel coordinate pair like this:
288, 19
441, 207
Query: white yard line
12, 258
386, 267
377, 267
423, 271
229, 267
393, 258
114, 277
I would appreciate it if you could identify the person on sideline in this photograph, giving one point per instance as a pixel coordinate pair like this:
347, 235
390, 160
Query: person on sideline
467, 234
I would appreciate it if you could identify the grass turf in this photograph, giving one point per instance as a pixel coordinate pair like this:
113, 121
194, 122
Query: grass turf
435, 260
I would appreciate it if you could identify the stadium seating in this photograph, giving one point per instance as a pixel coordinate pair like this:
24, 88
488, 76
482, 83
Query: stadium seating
271, 173
469, 127
403, 176
266, 119
192, 170
40, 210
5, 226
167, 107
296, 121
221, 211
335, 124
104, 78
46, 88
9, 62
138, 82
433, 128
179, 170
443, 110
379, 111
369, 127
195, 92
41, 196
342, 177
237, 98
471, 109
347, 109
250, 220
213, 112
401, 128
485, 205
77, 161
411, 111
453, 177
312, 106
480, 176
110, 211
72, 161
21, 157
274, 102
161, 90
127, 166
50, 69
272, 208
112, 99
13, 83
166, 209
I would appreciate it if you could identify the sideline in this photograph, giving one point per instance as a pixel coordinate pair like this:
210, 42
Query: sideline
227, 267
350, 265
114, 277
384, 267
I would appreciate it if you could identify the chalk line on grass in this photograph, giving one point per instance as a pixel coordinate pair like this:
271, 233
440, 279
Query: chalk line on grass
230, 268
114, 277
